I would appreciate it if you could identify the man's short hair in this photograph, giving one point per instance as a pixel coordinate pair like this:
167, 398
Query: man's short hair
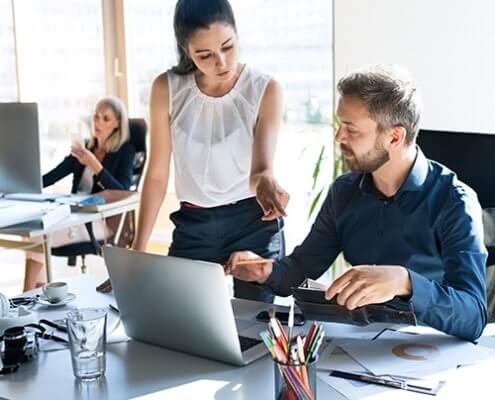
390, 95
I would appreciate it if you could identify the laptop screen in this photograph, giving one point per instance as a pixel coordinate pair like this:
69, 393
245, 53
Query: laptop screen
20, 169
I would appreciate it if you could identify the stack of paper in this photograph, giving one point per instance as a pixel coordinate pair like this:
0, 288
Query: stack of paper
16, 212
31, 214
39, 197
429, 361
52, 214
411, 354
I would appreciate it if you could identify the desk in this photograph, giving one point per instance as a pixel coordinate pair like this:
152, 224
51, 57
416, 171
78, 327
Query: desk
140, 371
20, 234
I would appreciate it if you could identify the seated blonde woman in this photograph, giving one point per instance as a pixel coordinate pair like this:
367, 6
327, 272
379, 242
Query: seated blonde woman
104, 162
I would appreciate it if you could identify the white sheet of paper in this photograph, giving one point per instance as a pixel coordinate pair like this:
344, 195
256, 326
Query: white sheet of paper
359, 390
115, 330
407, 354
333, 357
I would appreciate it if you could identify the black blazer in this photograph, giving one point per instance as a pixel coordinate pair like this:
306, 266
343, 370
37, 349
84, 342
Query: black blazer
116, 172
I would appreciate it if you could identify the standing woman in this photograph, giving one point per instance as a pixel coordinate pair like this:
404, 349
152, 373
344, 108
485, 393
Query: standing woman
219, 119
104, 162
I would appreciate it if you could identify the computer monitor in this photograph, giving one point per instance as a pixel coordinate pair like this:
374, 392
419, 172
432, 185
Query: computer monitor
20, 169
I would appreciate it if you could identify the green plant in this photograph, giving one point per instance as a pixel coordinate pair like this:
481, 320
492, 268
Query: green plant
320, 184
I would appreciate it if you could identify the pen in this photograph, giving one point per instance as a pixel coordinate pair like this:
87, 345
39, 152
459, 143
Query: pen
254, 261
113, 308
316, 341
290, 325
366, 378
302, 360
309, 337
278, 330
268, 343
396, 383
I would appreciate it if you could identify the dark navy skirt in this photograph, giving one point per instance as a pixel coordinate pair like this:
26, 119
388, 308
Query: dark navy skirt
212, 234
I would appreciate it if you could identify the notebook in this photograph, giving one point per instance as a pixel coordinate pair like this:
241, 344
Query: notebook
310, 297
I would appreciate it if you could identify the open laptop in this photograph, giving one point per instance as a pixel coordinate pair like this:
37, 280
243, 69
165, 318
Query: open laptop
178, 303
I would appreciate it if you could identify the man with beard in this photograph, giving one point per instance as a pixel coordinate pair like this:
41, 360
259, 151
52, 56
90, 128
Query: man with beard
406, 224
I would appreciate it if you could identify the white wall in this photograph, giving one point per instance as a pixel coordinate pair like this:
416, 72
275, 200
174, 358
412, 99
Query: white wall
447, 45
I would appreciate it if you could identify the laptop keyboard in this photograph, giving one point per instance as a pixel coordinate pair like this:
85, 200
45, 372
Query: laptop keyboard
247, 343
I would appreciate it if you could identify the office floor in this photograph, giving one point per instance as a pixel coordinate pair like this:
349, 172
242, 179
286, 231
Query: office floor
12, 270
12, 267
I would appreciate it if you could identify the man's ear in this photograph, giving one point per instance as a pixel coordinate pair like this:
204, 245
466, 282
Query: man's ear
397, 137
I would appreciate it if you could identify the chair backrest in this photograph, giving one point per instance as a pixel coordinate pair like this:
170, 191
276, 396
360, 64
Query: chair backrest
137, 131
470, 156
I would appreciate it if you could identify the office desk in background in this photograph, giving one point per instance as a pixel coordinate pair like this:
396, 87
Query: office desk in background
23, 237
137, 370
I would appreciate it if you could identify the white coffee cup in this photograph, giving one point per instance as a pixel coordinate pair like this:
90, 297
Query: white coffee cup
55, 291
76, 139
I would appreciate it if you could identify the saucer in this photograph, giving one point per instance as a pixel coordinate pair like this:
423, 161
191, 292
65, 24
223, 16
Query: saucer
43, 300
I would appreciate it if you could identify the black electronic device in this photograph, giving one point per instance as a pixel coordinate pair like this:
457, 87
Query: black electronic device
282, 316
311, 300
19, 345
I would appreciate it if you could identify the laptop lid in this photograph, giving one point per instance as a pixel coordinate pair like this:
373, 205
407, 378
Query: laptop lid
20, 170
177, 303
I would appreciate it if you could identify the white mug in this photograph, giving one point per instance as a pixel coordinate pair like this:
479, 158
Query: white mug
55, 291
76, 139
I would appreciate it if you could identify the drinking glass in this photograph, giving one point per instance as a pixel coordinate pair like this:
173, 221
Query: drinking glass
86, 328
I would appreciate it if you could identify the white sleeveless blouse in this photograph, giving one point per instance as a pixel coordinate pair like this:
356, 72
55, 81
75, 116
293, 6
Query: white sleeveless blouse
212, 138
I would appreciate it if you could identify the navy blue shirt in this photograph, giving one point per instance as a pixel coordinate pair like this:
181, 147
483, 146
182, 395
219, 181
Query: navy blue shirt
432, 226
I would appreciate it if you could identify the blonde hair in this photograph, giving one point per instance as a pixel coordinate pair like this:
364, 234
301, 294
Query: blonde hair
121, 134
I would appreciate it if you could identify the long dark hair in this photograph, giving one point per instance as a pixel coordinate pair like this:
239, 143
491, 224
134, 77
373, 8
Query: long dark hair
191, 15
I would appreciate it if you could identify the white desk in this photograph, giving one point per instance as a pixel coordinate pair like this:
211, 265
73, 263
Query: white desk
140, 371
23, 235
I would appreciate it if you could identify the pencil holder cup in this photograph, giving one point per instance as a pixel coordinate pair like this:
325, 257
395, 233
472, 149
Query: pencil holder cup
295, 382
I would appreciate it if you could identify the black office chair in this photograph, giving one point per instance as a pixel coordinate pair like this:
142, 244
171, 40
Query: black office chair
124, 225
126, 229
137, 130
470, 156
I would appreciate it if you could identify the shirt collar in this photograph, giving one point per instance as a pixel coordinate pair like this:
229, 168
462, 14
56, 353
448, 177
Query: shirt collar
413, 182
417, 175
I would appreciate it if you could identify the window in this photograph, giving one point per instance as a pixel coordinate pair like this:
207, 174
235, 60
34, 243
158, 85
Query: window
61, 66
292, 41
150, 46
288, 39
8, 75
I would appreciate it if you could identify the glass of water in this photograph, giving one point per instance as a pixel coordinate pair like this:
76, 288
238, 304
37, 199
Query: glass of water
87, 329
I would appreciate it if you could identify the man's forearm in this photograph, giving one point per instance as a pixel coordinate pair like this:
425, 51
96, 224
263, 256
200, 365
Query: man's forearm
453, 311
